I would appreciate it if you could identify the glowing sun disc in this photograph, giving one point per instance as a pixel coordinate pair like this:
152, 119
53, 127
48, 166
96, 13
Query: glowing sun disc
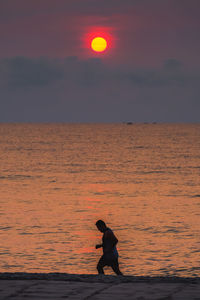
99, 44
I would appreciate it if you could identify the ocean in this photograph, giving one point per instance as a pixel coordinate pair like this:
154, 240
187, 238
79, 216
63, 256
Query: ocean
57, 180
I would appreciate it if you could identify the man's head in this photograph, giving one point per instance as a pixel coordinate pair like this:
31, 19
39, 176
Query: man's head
101, 225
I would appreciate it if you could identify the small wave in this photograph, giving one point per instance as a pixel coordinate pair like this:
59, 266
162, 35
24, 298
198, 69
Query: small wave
51, 232
19, 177
7, 266
195, 251
166, 229
5, 228
197, 167
99, 193
152, 172
173, 230
35, 226
151, 229
4, 253
140, 147
194, 269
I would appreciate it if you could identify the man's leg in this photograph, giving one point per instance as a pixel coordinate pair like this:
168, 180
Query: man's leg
115, 267
101, 264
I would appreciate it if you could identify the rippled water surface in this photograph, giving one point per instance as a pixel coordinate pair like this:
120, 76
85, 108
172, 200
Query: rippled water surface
143, 180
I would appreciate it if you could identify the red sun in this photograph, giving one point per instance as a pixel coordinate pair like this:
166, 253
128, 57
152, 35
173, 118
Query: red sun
99, 44
99, 40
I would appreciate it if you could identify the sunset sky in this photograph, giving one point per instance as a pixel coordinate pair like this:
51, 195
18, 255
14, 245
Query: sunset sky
150, 70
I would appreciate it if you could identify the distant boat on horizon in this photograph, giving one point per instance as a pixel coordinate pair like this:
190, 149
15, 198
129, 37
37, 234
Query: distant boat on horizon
131, 123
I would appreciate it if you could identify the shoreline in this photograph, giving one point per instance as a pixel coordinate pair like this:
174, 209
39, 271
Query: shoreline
94, 278
57, 286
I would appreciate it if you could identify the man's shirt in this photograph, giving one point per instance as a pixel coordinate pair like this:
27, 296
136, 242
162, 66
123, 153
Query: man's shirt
109, 243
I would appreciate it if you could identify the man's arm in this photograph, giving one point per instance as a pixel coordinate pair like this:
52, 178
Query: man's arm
99, 246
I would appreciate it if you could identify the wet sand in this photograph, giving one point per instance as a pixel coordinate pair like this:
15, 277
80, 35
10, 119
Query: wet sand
55, 286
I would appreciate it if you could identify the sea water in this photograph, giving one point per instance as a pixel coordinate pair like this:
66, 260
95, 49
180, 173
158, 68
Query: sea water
57, 180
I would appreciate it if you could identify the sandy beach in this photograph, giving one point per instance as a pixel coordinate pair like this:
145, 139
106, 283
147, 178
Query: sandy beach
55, 286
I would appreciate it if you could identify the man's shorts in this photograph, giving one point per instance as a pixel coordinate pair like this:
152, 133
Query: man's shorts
108, 259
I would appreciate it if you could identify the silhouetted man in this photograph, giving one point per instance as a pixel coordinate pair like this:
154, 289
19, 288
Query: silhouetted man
110, 254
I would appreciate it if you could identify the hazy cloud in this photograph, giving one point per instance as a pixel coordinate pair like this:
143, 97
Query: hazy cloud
172, 64
73, 90
23, 72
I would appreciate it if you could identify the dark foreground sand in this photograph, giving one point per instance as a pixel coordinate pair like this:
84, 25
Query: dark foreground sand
17, 286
